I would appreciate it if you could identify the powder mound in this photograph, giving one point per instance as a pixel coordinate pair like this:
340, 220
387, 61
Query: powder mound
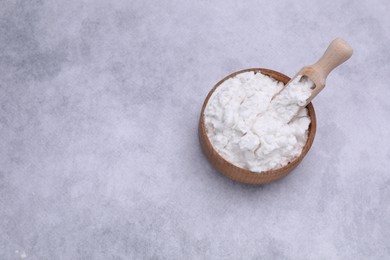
253, 131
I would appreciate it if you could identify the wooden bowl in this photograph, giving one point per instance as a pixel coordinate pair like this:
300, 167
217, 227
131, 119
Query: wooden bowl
243, 175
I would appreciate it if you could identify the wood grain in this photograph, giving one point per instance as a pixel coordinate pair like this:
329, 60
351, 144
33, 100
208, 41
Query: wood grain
243, 175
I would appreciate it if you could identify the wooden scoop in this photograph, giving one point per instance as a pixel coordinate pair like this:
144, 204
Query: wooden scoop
337, 52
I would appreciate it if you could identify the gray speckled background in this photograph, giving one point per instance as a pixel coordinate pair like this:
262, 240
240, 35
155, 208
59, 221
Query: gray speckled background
99, 154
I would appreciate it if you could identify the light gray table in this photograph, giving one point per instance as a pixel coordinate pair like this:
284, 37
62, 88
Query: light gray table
99, 154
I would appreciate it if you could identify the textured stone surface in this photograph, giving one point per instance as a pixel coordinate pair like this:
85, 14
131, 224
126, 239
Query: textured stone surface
99, 156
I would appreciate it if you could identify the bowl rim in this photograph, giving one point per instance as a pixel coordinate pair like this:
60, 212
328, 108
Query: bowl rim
244, 175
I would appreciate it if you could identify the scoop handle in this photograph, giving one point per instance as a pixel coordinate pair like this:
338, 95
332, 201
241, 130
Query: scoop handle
337, 52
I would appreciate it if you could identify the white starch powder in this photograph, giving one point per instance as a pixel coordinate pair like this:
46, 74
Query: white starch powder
253, 131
